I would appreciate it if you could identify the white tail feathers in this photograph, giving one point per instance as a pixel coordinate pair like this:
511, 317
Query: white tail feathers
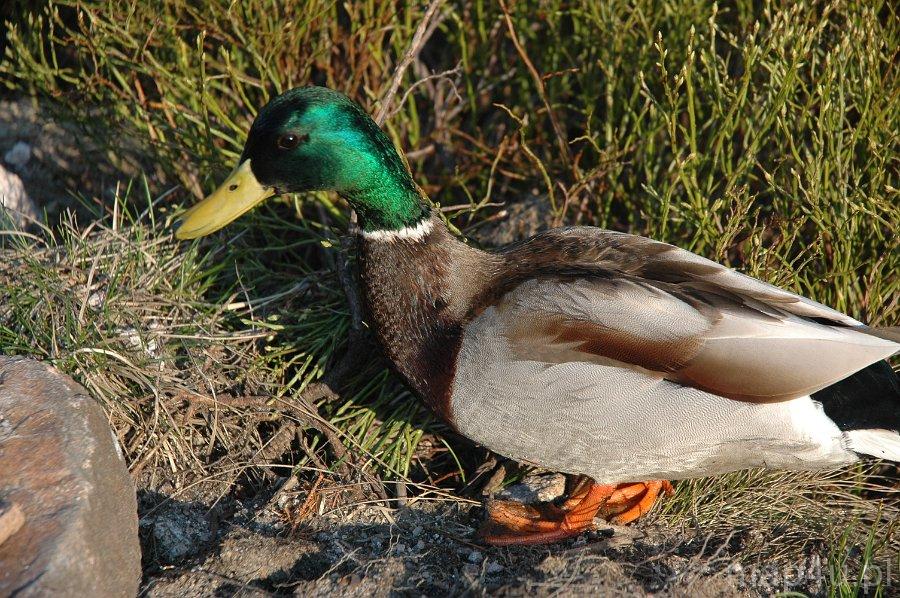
884, 444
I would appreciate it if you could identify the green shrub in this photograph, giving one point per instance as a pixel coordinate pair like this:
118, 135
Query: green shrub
766, 137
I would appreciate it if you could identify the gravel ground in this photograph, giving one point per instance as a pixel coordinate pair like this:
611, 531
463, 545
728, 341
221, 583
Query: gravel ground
237, 548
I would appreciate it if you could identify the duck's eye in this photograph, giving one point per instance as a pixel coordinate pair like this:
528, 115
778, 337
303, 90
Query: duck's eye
289, 141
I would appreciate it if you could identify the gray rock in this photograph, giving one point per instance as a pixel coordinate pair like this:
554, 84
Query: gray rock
60, 465
521, 218
15, 204
179, 531
543, 487
18, 155
59, 151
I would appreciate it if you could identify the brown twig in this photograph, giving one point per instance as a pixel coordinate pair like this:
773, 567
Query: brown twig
412, 51
280, 442
442, 75
351, 290
308, 506
539, 83
358, 344
308, 414
358, 340
303, 411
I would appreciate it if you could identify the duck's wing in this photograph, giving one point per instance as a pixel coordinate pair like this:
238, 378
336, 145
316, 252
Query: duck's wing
590, 295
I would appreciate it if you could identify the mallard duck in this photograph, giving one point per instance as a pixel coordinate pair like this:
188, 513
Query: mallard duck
615, 357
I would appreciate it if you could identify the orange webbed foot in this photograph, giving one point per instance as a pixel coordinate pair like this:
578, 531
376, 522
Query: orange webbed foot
511, 522
630, 501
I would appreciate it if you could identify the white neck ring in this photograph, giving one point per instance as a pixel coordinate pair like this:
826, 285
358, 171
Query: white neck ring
417, 232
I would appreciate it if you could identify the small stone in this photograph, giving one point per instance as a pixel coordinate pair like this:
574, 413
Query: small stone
138, 342
617, 536
19, 155
536, 488
180, 531
417, 531
493, 567
475, 557
15, 204
60, 465
96, 299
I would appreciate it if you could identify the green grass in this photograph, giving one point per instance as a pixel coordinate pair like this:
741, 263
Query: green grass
762, 135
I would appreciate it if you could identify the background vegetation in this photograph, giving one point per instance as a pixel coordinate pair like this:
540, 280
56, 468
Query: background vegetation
760, 134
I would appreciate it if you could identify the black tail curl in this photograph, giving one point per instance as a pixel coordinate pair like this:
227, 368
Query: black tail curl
869, 399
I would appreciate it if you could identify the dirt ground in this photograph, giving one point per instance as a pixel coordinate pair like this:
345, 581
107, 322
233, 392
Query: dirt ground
237, 548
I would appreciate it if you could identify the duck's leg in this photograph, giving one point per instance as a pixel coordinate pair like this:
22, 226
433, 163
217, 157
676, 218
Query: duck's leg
511, 522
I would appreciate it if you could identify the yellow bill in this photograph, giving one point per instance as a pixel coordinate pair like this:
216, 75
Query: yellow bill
240, 192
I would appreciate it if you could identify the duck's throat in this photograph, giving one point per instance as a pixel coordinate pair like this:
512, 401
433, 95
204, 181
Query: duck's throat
409, 218
389, 205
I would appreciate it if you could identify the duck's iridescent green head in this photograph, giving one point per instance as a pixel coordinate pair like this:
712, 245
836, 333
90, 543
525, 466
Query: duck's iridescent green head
310, 139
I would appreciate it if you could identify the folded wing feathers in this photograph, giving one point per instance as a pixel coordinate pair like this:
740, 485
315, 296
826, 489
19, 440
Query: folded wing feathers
657, 261
690, 319
747, 287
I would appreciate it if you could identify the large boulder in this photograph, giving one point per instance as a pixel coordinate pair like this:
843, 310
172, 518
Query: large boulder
67, 504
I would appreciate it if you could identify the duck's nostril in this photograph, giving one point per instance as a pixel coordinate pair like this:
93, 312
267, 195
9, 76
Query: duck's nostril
232, 187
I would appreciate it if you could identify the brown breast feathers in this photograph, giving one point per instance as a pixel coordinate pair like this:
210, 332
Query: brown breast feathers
418, 293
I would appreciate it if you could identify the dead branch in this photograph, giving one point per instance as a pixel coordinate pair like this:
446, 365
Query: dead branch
304, 411
348, 284
539, 83
442, 75
412, 51
358, 342
308, 414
